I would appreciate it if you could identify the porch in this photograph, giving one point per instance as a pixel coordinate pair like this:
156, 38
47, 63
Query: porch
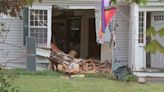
142, 63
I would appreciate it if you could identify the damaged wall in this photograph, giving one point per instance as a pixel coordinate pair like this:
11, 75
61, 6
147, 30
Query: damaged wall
121, 52
122, 33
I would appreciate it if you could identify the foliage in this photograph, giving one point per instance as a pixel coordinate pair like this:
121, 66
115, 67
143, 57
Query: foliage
14, 7
6, 83
136, 1
154, 46
3, 30
130, 78
151, 31
161, 32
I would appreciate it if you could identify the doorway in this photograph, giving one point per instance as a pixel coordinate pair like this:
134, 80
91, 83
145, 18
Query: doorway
155, 19
74, 29
66, 30
93, 47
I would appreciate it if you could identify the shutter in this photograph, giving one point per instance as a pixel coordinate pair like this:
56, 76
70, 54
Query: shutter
25, 24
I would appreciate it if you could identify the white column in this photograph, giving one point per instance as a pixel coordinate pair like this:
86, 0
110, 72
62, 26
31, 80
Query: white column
133, 26
49, 33
84, 37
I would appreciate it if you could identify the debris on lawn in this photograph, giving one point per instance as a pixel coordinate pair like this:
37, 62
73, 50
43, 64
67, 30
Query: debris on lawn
67, 63
123, 73
141, 80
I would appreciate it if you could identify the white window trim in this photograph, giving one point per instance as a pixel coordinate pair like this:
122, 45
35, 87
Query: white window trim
81, 7
49, 14
144, 29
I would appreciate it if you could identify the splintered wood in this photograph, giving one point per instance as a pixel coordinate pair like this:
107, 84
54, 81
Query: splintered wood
67, 63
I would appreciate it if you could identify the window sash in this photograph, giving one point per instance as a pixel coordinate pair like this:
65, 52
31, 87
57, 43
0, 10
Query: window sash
142, 28
37, 29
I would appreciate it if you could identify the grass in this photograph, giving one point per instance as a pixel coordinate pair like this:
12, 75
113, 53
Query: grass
54, 82
24, 72
40, 83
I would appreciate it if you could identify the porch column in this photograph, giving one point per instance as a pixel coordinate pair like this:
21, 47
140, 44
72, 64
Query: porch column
133, 38
84, 37
49, 24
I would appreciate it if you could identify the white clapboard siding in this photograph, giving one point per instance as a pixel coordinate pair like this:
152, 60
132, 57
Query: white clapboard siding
71, 4
122, 34
14, 50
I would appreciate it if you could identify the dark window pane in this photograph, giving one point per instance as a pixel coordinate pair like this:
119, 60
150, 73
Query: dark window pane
31, 23
45, 17
41, 17
41, 12
31, 17
36, 23
45, 23
45, 12
36, 11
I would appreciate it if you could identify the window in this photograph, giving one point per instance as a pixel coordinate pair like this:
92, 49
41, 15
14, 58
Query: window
141, 28
159, 18
38, 26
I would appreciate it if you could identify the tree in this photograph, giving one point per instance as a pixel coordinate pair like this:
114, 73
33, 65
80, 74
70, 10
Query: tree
14, 7
136, 1
154, 46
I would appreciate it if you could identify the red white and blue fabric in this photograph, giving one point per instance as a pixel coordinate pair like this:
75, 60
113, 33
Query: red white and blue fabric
107, 13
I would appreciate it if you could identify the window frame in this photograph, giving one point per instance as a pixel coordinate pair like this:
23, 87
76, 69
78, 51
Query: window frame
142, 41
48, 27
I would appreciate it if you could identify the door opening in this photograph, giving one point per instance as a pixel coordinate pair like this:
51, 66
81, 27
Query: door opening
155, 19
71, 31
94, 48
148, 39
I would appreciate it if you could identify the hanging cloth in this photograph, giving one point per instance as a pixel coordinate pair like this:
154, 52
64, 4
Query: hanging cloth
107, 13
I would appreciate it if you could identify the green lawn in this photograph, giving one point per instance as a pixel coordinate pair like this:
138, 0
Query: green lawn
41, 83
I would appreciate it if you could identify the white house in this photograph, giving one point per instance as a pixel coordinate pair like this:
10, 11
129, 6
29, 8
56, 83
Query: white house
73, 24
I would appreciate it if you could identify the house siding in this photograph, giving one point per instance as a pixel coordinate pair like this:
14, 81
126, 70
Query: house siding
12, 50
130, 53
122, 33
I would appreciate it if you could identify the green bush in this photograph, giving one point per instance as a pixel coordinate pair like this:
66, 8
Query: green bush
130, 78
7, 83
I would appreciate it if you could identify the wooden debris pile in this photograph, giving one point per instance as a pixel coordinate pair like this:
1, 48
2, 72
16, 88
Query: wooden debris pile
67, 63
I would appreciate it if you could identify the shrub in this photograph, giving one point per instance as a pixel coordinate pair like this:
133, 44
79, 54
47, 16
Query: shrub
7, 83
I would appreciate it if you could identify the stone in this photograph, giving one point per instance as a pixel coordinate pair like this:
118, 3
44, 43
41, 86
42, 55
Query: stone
141, 80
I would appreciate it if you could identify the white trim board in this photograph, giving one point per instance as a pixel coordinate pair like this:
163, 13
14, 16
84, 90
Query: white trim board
81, 7
151, 8
149, 74
43, 52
